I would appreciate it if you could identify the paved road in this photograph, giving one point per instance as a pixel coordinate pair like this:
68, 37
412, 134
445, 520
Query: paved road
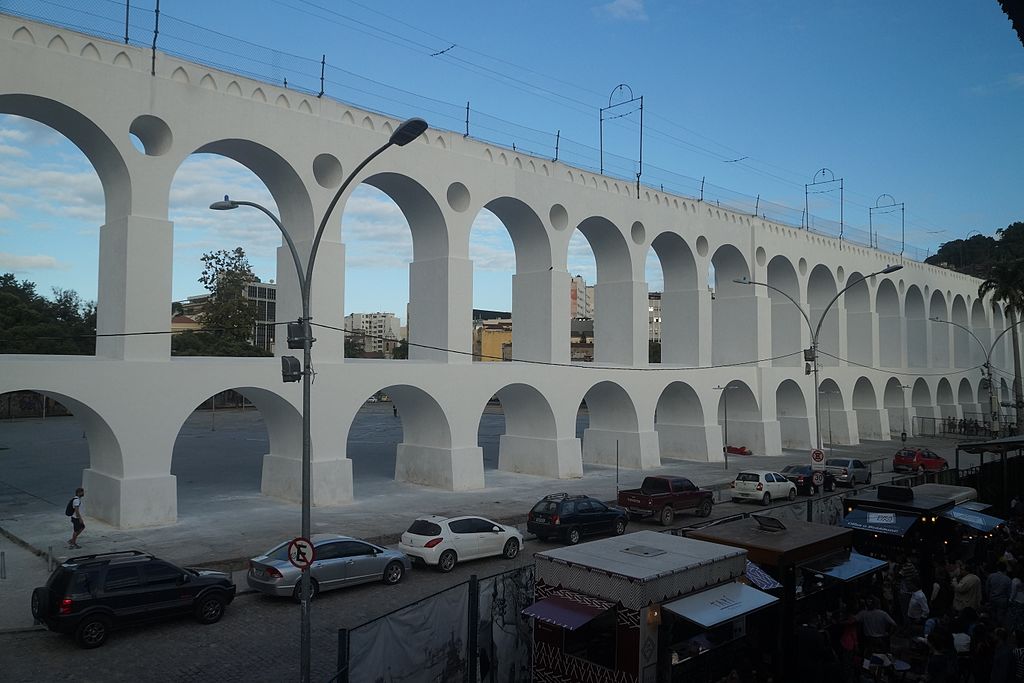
222, 516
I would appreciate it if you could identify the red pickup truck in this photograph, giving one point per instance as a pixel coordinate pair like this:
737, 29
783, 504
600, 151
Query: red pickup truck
663, 497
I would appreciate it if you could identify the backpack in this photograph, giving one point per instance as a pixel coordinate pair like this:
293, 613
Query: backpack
70, 509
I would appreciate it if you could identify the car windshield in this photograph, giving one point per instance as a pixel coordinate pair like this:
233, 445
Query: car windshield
545, 506
279, 553
652, 485
795, 469
747, 476
837, 463
58, 581
423, 527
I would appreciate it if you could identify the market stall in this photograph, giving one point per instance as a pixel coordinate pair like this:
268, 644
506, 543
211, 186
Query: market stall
644, 607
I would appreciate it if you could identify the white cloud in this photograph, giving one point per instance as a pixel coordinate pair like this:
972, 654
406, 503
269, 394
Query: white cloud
18, 263
626, 10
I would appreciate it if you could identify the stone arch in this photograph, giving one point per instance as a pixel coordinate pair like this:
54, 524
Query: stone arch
916, 328
734, 331
890, 325
680, 424
98, 148
281, 179
821, 289
791, 409
534, 282
615, 302
965, 394
860, 324
680, 300
961, 338
530, 442
980, 328
940, 331
614, 428
946, 404
896, 404
922, 403
421, 210
1001, 353
872, 423
788, 324
745, 425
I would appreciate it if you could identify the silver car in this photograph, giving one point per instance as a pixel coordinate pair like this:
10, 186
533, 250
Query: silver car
849, 471
338, 561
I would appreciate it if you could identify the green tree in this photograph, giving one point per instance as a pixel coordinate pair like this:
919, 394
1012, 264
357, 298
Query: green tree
226, 274
1006, 284
31, 323
199, 343
354, 345
401, 350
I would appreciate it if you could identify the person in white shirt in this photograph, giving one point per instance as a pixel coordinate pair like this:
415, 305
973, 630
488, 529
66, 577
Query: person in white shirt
917, 608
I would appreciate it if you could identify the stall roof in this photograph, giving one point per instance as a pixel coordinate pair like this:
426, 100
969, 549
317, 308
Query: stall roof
640, 568
799, 542
843, 568
920, 505
973, 518
1003, 445
957, 494
889, 522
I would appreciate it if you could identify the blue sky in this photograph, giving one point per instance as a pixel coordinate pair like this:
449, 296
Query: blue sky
920, 100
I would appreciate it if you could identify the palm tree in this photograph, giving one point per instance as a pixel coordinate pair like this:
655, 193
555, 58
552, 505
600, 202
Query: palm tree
1006, 283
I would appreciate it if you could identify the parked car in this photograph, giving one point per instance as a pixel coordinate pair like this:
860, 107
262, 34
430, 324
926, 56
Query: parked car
664, 497
803, 477
337, 561
90, 595
849, 471
572, 517
444, 541
918, 460
762, 485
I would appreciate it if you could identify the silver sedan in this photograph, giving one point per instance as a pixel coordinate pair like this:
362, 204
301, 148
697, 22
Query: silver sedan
338, 561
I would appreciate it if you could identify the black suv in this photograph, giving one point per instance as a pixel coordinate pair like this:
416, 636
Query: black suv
92, 594
571, 517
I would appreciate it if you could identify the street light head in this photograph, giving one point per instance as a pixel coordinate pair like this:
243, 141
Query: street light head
408, 131
891, 269
742, 280
937, 319
225, 205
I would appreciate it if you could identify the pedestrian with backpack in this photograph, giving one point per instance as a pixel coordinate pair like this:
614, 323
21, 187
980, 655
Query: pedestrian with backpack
74, 511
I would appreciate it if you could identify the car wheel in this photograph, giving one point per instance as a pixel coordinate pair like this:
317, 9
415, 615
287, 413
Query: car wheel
705, 509
792, 493
868, 480
209, 609
667, 515
572, 536
447, 561
767, 500
92, 631
40, 603
393, 573
314, 590
620, 527
511, 549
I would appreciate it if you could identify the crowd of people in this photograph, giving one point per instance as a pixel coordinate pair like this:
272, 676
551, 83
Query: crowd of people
956, 616
972, 427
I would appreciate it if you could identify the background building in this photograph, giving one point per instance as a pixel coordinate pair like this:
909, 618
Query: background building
265, 296
654, 316
492, 335
581, 298
381, 331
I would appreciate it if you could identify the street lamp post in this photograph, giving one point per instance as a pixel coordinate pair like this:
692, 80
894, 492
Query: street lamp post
407, 132
811, 354
725, 421
986, 368
828, 407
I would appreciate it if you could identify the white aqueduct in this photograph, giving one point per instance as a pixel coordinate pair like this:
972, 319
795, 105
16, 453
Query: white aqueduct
877, 340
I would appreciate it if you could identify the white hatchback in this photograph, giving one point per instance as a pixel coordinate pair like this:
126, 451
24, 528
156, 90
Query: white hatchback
444, 541
762, 485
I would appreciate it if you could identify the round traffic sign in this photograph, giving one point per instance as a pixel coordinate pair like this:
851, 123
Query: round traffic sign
818, 478
301, 552
818, 455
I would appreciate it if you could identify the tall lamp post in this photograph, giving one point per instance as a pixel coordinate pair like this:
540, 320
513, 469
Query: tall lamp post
993, 403
301, 333
725, 422
811, 354
828, 407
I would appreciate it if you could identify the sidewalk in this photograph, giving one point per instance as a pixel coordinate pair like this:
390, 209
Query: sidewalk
223, 528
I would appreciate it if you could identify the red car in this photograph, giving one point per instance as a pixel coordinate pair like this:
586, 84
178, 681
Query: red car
918, 460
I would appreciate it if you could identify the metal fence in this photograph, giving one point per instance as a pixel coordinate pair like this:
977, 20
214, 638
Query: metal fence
156, 29
472, 632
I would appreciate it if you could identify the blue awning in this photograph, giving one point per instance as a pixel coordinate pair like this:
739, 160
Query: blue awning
720, 604
974, 519
975, 505
846, 568
891, 523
